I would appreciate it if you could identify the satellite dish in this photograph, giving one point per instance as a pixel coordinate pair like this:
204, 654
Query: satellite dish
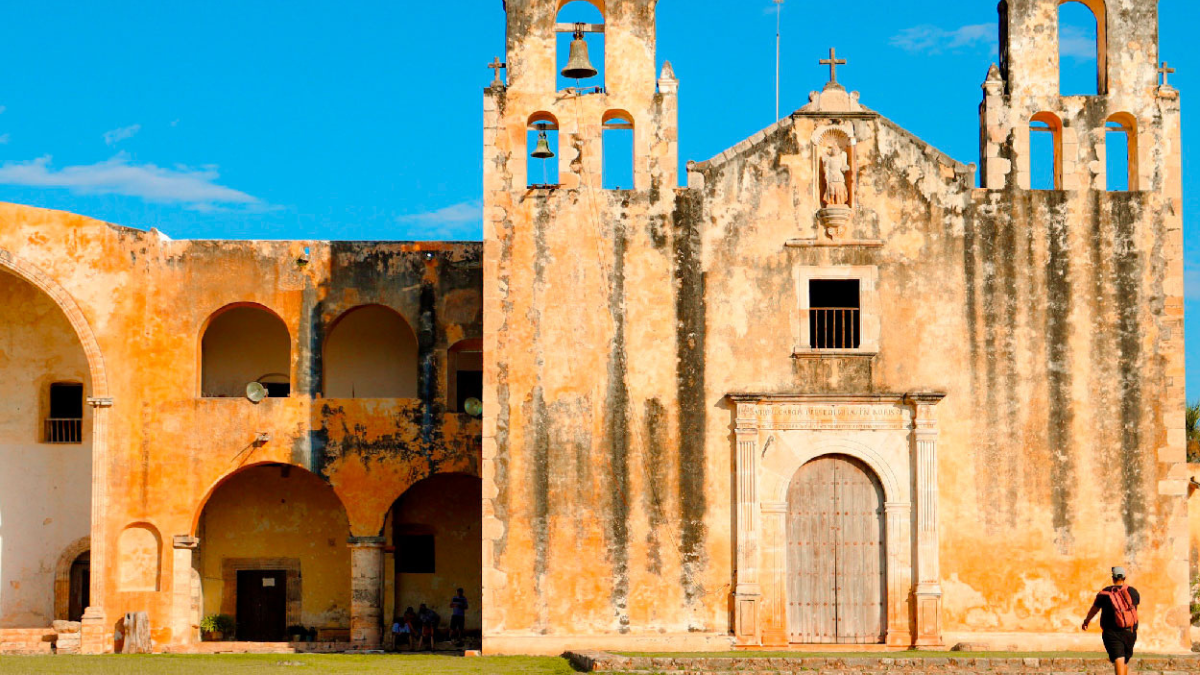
256, 392
473, 407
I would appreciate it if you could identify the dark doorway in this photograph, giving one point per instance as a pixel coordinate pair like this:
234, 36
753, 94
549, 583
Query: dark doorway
81, 582
261, 605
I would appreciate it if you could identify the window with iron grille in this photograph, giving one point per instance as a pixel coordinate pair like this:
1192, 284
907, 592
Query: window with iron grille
835, 314
64, 425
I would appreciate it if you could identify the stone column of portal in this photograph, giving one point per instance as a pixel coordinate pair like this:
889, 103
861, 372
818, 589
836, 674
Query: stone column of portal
928, 592
366, 592
747, 592
182, 630
94, 630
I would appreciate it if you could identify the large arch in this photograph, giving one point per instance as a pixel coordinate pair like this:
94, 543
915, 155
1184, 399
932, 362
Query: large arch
282, 530
436, 530
38, 527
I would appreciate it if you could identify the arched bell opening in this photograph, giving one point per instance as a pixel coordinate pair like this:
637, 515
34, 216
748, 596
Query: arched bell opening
580, 46
618, 145
542, 156
1121, 153
1082, 48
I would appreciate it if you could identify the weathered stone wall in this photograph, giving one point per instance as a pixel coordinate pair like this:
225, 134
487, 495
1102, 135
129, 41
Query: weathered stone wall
618, 323
146, 300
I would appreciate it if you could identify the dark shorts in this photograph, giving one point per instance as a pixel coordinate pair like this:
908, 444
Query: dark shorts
457, 622
1119, 644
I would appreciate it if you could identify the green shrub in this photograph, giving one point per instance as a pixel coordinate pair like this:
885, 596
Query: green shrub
217, 623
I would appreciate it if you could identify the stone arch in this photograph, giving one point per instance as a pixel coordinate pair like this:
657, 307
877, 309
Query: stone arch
370, 351
872, 457
62, 575
275, 321
1099, 10
212, 489
79, 323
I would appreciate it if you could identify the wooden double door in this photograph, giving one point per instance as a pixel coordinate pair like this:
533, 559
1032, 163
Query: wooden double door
261, 605
836, 554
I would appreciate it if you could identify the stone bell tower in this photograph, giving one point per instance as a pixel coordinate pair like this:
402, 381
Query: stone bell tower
580, 332
1024, 88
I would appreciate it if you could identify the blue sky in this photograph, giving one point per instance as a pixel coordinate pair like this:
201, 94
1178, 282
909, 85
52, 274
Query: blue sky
330, 120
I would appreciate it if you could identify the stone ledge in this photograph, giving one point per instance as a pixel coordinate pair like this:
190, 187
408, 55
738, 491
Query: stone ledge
603, 662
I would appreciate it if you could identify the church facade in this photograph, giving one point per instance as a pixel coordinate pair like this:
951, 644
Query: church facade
839, 389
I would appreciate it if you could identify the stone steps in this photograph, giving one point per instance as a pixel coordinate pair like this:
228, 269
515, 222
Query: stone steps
602, 662
27, 640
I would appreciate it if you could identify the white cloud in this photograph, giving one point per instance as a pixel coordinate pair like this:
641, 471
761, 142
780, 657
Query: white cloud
934, 40
120, 177
458, 221
1077, 43
117, 135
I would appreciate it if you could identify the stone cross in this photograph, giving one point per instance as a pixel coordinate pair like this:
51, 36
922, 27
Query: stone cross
833, 62
497, 66
1165, 71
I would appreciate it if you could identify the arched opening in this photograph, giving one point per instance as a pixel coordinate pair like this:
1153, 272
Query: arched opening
1082, 48
273, 554
1045, 152
580, 21
541, 141
464, 374
617, 139
46, 483
1121, 151
371, 352
837, 557
243, 344
139, 559
436, 528
72, 581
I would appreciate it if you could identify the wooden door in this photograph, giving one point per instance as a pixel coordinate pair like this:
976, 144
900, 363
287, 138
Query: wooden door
836, 555
80, 587
261, 605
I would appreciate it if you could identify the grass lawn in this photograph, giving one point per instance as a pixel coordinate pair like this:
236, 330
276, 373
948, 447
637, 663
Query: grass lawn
282, 664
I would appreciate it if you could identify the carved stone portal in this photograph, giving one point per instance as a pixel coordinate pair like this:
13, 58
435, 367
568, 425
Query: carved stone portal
893, 438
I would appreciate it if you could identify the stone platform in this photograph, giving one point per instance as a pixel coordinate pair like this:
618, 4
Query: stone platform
27, 640
603, 662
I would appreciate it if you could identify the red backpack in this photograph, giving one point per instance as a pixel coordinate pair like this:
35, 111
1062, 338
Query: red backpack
1124, 611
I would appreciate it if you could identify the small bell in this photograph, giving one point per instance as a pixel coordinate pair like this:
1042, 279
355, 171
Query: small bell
542, 151
579, 66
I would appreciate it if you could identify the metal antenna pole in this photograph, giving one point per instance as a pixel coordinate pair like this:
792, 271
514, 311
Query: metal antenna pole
778, 16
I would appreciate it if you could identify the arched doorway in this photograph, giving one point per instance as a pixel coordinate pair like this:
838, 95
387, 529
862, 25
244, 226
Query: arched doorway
436, 529
273, 554
836, 554
46, 444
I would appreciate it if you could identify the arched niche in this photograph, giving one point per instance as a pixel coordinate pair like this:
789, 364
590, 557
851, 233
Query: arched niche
370, 352
139, 559
244, 343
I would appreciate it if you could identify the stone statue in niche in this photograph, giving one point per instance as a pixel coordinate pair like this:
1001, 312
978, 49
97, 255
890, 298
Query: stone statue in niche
835, 176
834, 165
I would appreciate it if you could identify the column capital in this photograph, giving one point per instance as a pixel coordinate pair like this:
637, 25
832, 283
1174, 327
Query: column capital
100, 401
186, 541
367, 542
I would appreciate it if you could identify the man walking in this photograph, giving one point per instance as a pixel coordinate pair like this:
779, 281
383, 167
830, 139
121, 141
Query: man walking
1118, 620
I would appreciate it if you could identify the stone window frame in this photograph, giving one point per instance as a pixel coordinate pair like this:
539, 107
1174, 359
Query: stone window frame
869, 309
291, 567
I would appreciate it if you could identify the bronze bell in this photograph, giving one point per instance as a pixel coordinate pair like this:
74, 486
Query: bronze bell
542, 151
579, 66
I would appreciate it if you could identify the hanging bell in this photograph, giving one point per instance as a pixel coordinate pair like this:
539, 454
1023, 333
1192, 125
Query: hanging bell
542, 151
579, 66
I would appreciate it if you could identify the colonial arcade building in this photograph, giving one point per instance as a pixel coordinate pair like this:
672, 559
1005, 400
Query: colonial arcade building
840, 388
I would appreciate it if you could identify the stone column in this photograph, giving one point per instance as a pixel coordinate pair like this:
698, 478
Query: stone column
366, 592
182, 612
928, 594
747, 593
898, 517
773, 610
95, 629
